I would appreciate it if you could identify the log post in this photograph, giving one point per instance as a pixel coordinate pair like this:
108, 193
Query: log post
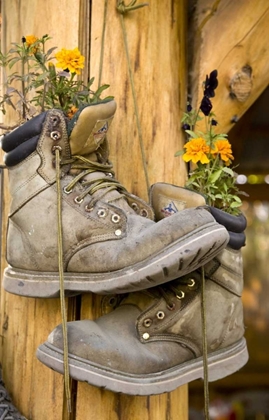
156, 36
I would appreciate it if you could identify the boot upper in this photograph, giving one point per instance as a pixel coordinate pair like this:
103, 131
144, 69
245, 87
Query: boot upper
159, 328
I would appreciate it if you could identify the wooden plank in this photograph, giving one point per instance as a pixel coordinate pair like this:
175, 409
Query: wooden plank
231, 36
25, 323
156, 38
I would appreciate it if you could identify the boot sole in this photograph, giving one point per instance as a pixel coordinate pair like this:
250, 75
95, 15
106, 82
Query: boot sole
220, 364
180, 258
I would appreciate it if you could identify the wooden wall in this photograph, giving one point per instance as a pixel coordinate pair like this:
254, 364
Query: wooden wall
156, 37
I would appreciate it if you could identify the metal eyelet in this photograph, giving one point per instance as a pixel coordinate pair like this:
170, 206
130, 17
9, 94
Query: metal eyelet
134, 206
77, 200
118, 232
144, 213
115, 218
54, 148
112, 301
191, 283
66, 191
160, 315
171, 307
55, 135
110, 174
181, 295
101, 213
89, 209
146, 336
147, 322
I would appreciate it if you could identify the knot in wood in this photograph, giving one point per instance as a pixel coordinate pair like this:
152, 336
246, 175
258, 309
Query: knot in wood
241, 84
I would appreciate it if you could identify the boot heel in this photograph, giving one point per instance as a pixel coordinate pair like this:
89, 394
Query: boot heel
228, 362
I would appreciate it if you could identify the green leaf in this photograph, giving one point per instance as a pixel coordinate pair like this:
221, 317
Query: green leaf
235, 204
228, 171
179, 153
215, 176
192, 134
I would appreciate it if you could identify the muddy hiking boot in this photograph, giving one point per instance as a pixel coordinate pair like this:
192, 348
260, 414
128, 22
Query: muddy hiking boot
7, 410
111, 244
151, 342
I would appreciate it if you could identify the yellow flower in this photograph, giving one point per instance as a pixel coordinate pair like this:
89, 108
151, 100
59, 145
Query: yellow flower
70, 59
72, 111
224, 149
30, 40
196, 150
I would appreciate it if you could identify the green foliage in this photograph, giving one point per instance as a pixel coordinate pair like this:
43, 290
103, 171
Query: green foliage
37, 85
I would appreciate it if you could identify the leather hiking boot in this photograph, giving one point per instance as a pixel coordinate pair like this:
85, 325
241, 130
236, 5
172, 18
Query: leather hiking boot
7, 410
109, 241
152, 342
168, 199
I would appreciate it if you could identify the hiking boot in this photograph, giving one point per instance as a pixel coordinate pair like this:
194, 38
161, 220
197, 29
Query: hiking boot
7, 409
152, 342
110, 242
168, 199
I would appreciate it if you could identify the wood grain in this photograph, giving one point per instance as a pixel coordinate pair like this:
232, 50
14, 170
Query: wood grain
156, 38
230, 36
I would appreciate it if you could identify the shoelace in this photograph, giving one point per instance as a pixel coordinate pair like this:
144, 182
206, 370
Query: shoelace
165, 292
85, 167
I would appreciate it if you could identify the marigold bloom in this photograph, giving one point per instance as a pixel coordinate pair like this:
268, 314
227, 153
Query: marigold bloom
72, 111
196, 151
30, 40
224, 149
70, 59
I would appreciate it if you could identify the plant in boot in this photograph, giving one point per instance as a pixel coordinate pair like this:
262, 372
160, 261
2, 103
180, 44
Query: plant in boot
211, 153
37, 85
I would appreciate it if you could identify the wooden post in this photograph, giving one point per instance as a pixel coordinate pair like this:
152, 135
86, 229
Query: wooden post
156, 37
231, 37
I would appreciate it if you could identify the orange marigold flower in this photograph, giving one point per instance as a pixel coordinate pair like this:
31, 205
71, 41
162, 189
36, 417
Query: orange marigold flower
70, 59
224, 149
72, 111
196, 151
30, 40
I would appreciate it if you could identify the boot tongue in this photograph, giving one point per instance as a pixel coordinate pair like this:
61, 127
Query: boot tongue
89, 127
88, 138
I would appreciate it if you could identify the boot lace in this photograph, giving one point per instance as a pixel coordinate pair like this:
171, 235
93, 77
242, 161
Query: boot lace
86, 167
180, 294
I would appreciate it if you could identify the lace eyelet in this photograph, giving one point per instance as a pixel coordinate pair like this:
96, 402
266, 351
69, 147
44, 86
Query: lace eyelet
181, 295
115, 218
147, 322
134, 206
160, 315
88, 208
54, 148
101, 213
55, 135
144, 213
66, 191
77, 200
191, 283
171, 307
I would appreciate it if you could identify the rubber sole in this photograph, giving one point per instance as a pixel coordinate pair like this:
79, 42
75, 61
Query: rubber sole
220, 364
180, 258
